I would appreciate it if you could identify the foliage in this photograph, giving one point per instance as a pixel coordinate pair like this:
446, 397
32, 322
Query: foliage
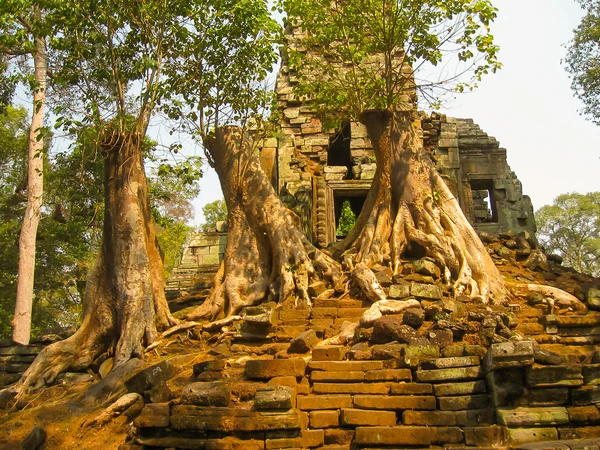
583, 60
361, 49
171, 240
570, 227
347, 220
67, 234
225, 52
214, 212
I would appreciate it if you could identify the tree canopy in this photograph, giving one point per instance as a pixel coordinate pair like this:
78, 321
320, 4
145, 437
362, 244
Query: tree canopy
371, 53
570, 227
214, 212
583, 60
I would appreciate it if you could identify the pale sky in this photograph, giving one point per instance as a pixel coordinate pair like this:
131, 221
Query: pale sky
528, 106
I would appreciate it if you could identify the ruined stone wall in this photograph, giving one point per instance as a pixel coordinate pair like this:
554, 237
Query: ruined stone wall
299, 164
476, 169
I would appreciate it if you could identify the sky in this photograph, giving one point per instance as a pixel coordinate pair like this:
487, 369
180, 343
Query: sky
528, 105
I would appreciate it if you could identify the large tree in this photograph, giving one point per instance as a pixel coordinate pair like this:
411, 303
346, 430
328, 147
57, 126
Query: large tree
109, 78
267, 255
23, 32
570, 227
365, 60
583, 60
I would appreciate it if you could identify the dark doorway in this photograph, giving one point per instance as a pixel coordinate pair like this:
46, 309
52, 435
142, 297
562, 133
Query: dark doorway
484, 203
339, 149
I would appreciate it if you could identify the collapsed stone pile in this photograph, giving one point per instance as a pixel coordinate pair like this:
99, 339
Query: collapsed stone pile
452, 372
449, 372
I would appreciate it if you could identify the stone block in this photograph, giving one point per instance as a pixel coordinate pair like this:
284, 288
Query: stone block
448, 363
345, 366
591, 374
150, 376
318, 375
394, 402
477, 401
412, 436
468, 388
548, 396
585, 395
583, 415
490, 436
263, 369
154, 415
361, 417
303, 342
391, 328
201, 418
399, 291
314, 402
413, 317
464, 350
411, 389
388, 375
441, 338
579, 433
385, 352
510, 355
445, 375
274, 397
523, 435
324, 419
329, 353
421, 352
554, 376
263, 421
215, 393
473, 417
428, 291
307, 439
524, 417
351, 388
338, 438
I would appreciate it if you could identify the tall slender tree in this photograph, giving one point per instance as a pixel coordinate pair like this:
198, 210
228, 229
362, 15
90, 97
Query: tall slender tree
23, 35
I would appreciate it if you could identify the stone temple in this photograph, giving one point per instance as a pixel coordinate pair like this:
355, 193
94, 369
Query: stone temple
315, 170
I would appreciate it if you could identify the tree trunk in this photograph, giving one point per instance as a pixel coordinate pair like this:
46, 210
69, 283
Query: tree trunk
409, 204
35, 190
124, 303
267, 255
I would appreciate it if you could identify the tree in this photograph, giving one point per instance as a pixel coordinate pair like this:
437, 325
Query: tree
267, 255
110, 78
583, 60
67, 235
214, 212
364, 60
570, 227
23, 32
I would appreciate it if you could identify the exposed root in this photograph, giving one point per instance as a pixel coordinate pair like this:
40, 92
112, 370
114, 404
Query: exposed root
114, 409
558, 297
267, 255
377, 310
413, 206
176, 328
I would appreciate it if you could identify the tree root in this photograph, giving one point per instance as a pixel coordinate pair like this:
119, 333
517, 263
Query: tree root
377, 310
557, 297
114, 409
